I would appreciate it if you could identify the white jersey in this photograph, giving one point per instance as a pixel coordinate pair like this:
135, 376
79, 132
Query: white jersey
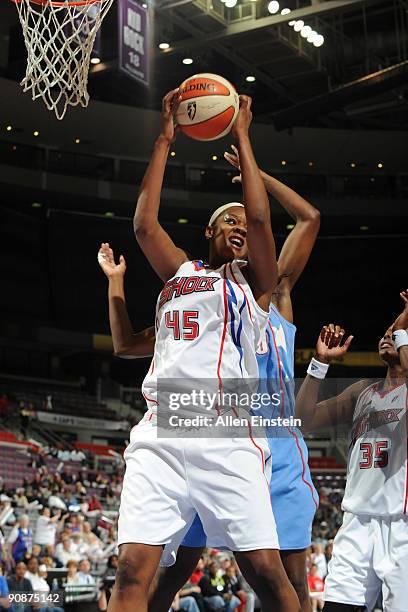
377, 477
208, 325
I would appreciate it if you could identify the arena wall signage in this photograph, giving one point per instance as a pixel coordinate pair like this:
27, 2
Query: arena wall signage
74, 421
133, 40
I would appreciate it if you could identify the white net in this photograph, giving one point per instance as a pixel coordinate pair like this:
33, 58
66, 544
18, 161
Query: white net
59, 37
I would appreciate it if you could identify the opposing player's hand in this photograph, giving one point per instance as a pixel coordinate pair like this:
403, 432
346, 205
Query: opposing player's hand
402, 321
170, 105
244, 117
330, 343
233, 159
106, 260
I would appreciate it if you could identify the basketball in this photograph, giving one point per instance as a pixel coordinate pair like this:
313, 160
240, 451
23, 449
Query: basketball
208, 108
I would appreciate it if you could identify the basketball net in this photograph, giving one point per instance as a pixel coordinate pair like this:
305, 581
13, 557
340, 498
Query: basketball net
59, 37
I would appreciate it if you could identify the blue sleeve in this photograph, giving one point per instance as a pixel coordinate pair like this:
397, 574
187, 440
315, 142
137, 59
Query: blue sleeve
4, 590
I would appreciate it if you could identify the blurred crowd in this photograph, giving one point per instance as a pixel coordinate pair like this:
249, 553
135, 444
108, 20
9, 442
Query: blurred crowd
72, 534
58, 530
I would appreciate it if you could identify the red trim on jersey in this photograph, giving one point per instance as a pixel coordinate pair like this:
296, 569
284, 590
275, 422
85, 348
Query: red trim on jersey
279, 369
307, 483
257, 446
150, 417
384, 393
224, 331
406, 460
149, 399
292, 433
246, 299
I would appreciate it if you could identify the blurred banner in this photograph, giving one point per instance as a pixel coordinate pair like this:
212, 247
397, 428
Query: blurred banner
74, 421
133, 40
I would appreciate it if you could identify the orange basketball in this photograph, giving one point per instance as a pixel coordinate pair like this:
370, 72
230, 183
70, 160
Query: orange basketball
208, 108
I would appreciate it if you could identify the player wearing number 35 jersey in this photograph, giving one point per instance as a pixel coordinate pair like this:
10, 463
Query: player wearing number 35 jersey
370, 551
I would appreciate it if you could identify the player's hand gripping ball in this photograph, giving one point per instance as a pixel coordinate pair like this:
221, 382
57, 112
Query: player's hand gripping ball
208, 107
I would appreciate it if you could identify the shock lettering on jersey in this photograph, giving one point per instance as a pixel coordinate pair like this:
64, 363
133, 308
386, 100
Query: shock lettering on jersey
185, 285
373, 420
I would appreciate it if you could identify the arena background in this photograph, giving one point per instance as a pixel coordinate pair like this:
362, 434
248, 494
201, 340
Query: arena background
331, 122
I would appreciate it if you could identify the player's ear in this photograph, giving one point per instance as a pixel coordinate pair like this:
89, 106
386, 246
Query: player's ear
209, 232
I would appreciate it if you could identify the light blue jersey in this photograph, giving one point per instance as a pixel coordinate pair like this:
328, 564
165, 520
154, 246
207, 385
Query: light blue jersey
293, 495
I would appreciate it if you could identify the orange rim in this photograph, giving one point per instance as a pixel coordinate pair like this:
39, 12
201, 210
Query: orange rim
52, 3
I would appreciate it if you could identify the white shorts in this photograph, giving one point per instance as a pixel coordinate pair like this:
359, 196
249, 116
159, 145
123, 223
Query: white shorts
370, 555
168, 480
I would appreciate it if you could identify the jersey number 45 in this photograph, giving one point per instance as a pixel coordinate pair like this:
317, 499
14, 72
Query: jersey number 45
184, 324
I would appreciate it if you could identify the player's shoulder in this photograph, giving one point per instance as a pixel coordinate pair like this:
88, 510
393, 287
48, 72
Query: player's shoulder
354, 390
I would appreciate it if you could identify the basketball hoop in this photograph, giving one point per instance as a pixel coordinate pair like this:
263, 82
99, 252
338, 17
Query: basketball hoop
59, 38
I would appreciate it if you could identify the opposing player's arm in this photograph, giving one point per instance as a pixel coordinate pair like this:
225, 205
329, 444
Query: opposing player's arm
317, 415
263, 269
126, 343
164, 256
299, 244
401, 323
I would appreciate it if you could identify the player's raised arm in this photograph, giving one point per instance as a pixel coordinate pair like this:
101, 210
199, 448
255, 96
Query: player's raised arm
317, 415
299, 244
163, 255
126, 343
263, 269
400, 334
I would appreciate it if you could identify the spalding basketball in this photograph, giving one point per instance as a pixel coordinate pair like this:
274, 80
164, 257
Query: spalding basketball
208, 108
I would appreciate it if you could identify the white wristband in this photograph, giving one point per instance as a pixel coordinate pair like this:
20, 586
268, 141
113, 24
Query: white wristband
317, 369
399, 338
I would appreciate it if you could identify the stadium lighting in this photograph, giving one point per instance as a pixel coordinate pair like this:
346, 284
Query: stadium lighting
230, 3
95, 60
290, 226
214, 157
312, 36
285, 11
292, 23
305, 31
273, 7
187, 61
36, 133
77, 141
250, 78
318, 41
298, 25
173, 154
163, 46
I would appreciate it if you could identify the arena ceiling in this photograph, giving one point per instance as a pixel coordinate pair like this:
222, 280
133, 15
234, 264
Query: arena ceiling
357, 78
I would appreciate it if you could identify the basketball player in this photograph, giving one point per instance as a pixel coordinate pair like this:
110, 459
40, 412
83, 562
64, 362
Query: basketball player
370, 550
209, 321
292, 485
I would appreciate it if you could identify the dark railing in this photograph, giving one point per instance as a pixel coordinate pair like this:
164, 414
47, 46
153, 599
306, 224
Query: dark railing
354, 183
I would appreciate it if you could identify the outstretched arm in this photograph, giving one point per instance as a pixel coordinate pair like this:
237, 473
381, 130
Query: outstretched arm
401, 323
317, 415
126, 343
263, 269
163, 255
299, 244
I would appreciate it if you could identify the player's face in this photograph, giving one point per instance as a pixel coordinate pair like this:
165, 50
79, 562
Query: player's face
229, 235
386, 350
